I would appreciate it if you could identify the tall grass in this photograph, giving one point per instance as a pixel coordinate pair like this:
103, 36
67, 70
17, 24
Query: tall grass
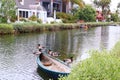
36, 27
28, 27
6, 29
103, 65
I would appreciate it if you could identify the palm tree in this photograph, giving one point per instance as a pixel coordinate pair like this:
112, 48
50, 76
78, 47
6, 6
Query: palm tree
66, 3
104, 5
79, 2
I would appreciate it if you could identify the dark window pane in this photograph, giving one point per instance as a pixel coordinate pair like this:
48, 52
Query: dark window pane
26, 14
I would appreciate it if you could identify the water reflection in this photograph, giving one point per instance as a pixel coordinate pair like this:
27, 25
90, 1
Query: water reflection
18, 62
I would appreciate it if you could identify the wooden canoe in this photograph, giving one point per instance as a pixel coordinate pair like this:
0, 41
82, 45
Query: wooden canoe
52, 66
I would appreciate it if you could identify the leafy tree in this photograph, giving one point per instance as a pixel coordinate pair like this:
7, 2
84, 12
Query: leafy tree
66, 18
87, 14
3, 19
7, 6
114, 17
104, 5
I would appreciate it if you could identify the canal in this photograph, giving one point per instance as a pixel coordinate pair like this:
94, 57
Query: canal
17, 61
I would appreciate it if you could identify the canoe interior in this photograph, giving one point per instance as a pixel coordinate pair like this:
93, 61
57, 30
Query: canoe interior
52, 67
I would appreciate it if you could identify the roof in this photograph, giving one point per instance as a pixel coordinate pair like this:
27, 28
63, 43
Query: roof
29, 4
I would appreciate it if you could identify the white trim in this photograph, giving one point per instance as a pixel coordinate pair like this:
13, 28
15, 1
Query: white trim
42, 14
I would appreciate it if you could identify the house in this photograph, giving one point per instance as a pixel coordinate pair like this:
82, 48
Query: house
40, 8
27, 8
58, 5
51, 5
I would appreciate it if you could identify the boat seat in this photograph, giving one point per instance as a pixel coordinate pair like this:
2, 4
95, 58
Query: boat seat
47, 63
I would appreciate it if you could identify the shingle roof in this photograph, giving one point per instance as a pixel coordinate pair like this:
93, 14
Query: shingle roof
27, 4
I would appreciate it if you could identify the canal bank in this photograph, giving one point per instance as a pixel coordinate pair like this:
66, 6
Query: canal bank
28, 27
101, 65
17, 61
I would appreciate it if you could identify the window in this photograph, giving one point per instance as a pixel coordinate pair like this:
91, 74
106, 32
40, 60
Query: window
20, 13
56, 6
46, 5
26, 14
23, 14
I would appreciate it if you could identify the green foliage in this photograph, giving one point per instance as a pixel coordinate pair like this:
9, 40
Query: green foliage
30, 26
67, 18
7, 8
79, 2
33, 18
13, 16
3, 19
23, 19
39, 20
36, 27
74, 10
6, 28
114, 17
26, 27
100, 66
62, 15
102, 3
116, 50
53, 22
87, 14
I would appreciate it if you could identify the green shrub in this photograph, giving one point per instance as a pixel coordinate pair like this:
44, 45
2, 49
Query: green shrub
13, 19
6, 28
115, 17
100, 66
87, 14
23, 19
66, 18
26, 27
52, 22
13, 16
61, 15
39, 20
33, 18
3, 19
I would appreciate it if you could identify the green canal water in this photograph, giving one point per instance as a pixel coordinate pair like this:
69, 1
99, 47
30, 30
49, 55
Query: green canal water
17, 61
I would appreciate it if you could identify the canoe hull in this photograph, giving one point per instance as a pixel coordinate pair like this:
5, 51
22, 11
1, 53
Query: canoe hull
51, 73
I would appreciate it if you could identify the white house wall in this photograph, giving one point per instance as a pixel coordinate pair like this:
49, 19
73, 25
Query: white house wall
41, 14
